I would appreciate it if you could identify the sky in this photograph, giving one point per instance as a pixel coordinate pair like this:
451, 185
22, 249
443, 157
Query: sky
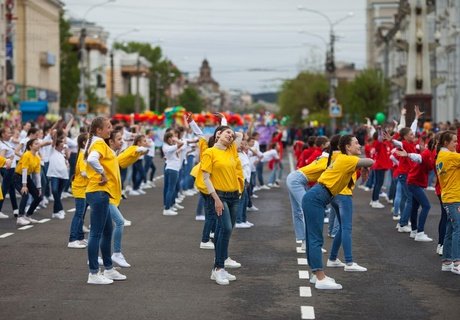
251, 45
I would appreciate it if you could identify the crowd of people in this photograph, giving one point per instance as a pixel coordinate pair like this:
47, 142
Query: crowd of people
101, 162
408, 161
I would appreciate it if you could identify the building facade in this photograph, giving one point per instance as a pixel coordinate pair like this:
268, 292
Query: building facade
36, 51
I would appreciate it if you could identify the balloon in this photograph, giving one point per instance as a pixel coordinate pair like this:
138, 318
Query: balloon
380, 117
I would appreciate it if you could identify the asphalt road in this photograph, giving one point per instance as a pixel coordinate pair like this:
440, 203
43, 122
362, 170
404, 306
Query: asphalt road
169, 279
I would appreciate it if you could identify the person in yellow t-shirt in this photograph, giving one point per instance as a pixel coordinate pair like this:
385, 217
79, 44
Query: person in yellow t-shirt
224, 180
298, 183
4, 163
104, 184
27, 181
448, 170
331, 182
79, 183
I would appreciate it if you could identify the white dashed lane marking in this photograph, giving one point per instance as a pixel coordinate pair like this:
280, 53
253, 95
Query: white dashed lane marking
302, 261
3, 236
299, 250
305, 291
26, 227
44, 220
71, 210
307, 312
303, 274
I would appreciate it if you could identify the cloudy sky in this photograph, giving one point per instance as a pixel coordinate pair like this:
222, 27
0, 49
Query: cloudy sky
250, 44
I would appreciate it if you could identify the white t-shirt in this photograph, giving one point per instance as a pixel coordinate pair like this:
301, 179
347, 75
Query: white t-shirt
269, 155
151, 147
45, 151
9, 151
173, 161
58, 165
246, 165
72, 144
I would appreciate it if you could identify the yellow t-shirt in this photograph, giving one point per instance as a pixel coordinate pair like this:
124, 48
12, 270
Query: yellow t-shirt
337, 176
314, 170
448, 169
128, 156
79, 182
225, 169
2, 163
30, 162
109, 162
348, 191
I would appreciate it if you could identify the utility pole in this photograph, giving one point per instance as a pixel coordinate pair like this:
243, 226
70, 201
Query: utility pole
157, 92
112, 85
82, 95
138, 65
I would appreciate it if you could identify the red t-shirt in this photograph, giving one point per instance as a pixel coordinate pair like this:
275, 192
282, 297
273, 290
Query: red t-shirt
304, 156
315, 154
405, 163
418, 174
298, 148
382, 155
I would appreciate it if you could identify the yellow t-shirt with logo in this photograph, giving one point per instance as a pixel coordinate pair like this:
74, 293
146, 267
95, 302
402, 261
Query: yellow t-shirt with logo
225, 169
337, 176
448, 169
128, 156
30, 162
79, 182
109, 162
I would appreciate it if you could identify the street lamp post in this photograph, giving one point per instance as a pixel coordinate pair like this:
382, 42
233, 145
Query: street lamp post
330, 59
82, 95
112, 73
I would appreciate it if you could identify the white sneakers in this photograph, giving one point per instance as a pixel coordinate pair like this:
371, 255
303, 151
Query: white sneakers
253, 208
76, 245
119, 259
98, 278
3, 216
31, 220
169, 212
232, 264
21, 221
220, 276
376, 205
354, 267
439, 249
396, 218
406, 229
127, 223
178, 206
58, 215
134, 193
327, 284
207, 245
243, 225
413, 234
451, 267
335, 264
422, 237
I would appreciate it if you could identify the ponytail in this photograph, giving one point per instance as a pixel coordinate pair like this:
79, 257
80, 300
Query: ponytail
333, 146
98, 123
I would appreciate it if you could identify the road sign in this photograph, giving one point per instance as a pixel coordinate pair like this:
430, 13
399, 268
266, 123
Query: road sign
335, 111
82, 108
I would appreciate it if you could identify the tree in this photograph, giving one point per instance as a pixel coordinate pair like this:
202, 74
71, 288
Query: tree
126, 104
190, 99
366, 95
69, 72
307, 91
162, 69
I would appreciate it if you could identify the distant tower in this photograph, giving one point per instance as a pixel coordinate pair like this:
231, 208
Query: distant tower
205, 80
418, 78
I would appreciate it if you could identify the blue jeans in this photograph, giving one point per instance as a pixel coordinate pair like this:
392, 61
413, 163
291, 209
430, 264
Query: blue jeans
46, 188
260, 172
148, 164
76, 227
297, 185
252, 184
343, 236
57, 187
119, 221
379, 178
100, 234
242, 207
8, 187
187, 179
392, 192
442, 223
405, 207
274, 173
138, 174
419, 198
123, 173
169, 190
371, 179
451, 250
72, 163
334, 224
314, 203
33, 191
224, 226
210, 217
200, 206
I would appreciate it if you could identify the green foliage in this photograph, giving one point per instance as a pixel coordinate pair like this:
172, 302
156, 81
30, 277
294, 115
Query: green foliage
365, 96
308, 90
190, 99
69, 72
126, 104
162, 69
